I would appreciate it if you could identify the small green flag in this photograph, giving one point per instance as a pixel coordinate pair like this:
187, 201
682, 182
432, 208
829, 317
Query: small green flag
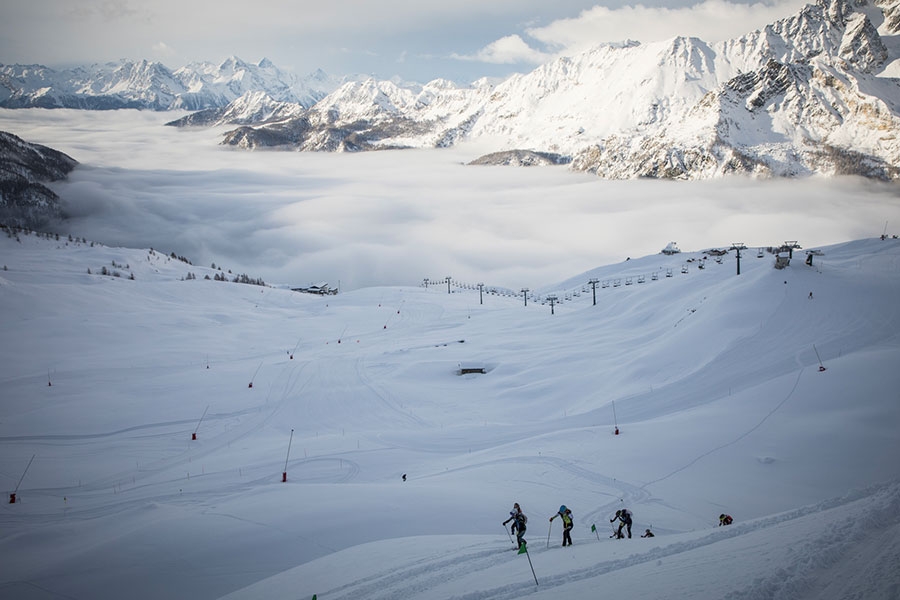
593, 527
523, 549
314, 596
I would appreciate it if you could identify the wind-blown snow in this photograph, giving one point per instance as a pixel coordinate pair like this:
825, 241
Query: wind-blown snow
713, 379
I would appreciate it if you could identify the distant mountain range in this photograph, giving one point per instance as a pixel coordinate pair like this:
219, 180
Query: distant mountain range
815, 93
152, 86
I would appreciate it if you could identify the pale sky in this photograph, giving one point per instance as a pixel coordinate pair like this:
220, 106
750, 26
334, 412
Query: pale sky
460, 40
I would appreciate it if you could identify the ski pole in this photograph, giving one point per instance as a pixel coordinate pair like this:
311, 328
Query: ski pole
548, 533
510, 536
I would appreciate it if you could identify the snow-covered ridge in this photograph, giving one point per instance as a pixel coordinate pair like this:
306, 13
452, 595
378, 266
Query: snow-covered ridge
803, 96
151, 85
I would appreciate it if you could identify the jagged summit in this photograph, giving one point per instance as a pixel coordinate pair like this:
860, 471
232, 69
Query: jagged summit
153, 86
806, 94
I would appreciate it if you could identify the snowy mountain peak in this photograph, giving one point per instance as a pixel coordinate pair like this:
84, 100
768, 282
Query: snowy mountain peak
639, 110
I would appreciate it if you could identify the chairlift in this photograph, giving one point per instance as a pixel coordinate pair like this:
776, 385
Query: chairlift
668, 272
628, 281
617, 282
641, 279
654, 276
605, 284
684, 269
759, 253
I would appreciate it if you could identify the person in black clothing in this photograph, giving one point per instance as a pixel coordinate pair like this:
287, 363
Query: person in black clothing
648, 533
520, 520
624, 518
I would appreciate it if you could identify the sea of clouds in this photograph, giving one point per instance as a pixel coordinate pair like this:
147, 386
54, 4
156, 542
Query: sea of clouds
397, 217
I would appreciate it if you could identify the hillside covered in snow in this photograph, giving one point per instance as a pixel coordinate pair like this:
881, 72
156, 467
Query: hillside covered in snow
174, 435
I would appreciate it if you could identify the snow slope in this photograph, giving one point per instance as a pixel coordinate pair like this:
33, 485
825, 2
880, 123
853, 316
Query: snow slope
713, 379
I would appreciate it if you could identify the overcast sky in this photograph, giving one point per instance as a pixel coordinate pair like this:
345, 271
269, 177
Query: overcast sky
415, 40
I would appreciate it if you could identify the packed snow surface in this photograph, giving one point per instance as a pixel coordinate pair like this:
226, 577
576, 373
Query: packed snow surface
771, 396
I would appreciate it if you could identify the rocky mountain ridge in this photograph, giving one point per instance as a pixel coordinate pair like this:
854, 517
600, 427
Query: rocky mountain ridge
25, 168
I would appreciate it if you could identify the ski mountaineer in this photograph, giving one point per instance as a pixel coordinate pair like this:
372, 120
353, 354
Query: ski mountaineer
624, 517
566, 515
648, 533
520, 520
512, 515
725, 519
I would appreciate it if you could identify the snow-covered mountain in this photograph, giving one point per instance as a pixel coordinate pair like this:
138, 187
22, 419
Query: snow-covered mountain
151, 85
817, 92
24, 169
814, 93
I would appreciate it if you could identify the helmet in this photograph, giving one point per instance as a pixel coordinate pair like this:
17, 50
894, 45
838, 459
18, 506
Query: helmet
722, 516
562, 508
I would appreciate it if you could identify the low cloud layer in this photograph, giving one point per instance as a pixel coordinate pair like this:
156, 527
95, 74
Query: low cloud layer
396, 217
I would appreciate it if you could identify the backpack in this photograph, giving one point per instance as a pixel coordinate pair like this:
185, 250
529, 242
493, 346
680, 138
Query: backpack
522, 519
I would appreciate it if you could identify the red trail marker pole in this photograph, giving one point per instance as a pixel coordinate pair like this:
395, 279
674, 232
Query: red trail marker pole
194, 434
615, 419
254, 375
821, 366
12, 496
284, 473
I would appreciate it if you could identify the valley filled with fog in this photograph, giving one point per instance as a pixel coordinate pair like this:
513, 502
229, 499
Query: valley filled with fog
396, 217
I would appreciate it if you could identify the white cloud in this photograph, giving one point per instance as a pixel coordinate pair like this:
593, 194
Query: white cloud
392, 218
710, 20
511, 49
163, 50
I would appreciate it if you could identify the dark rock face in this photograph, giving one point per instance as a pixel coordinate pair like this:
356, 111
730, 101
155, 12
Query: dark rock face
521, 158
25, 200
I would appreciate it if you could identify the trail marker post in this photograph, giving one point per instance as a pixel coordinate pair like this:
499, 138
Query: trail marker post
254, 375
12, 496
284, 473
821, 366
194, 434
615, 419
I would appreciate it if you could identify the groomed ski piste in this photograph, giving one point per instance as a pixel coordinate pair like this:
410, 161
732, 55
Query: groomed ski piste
772, 396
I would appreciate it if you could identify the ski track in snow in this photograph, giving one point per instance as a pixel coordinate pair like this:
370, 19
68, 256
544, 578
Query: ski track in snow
735, 440
796, 579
